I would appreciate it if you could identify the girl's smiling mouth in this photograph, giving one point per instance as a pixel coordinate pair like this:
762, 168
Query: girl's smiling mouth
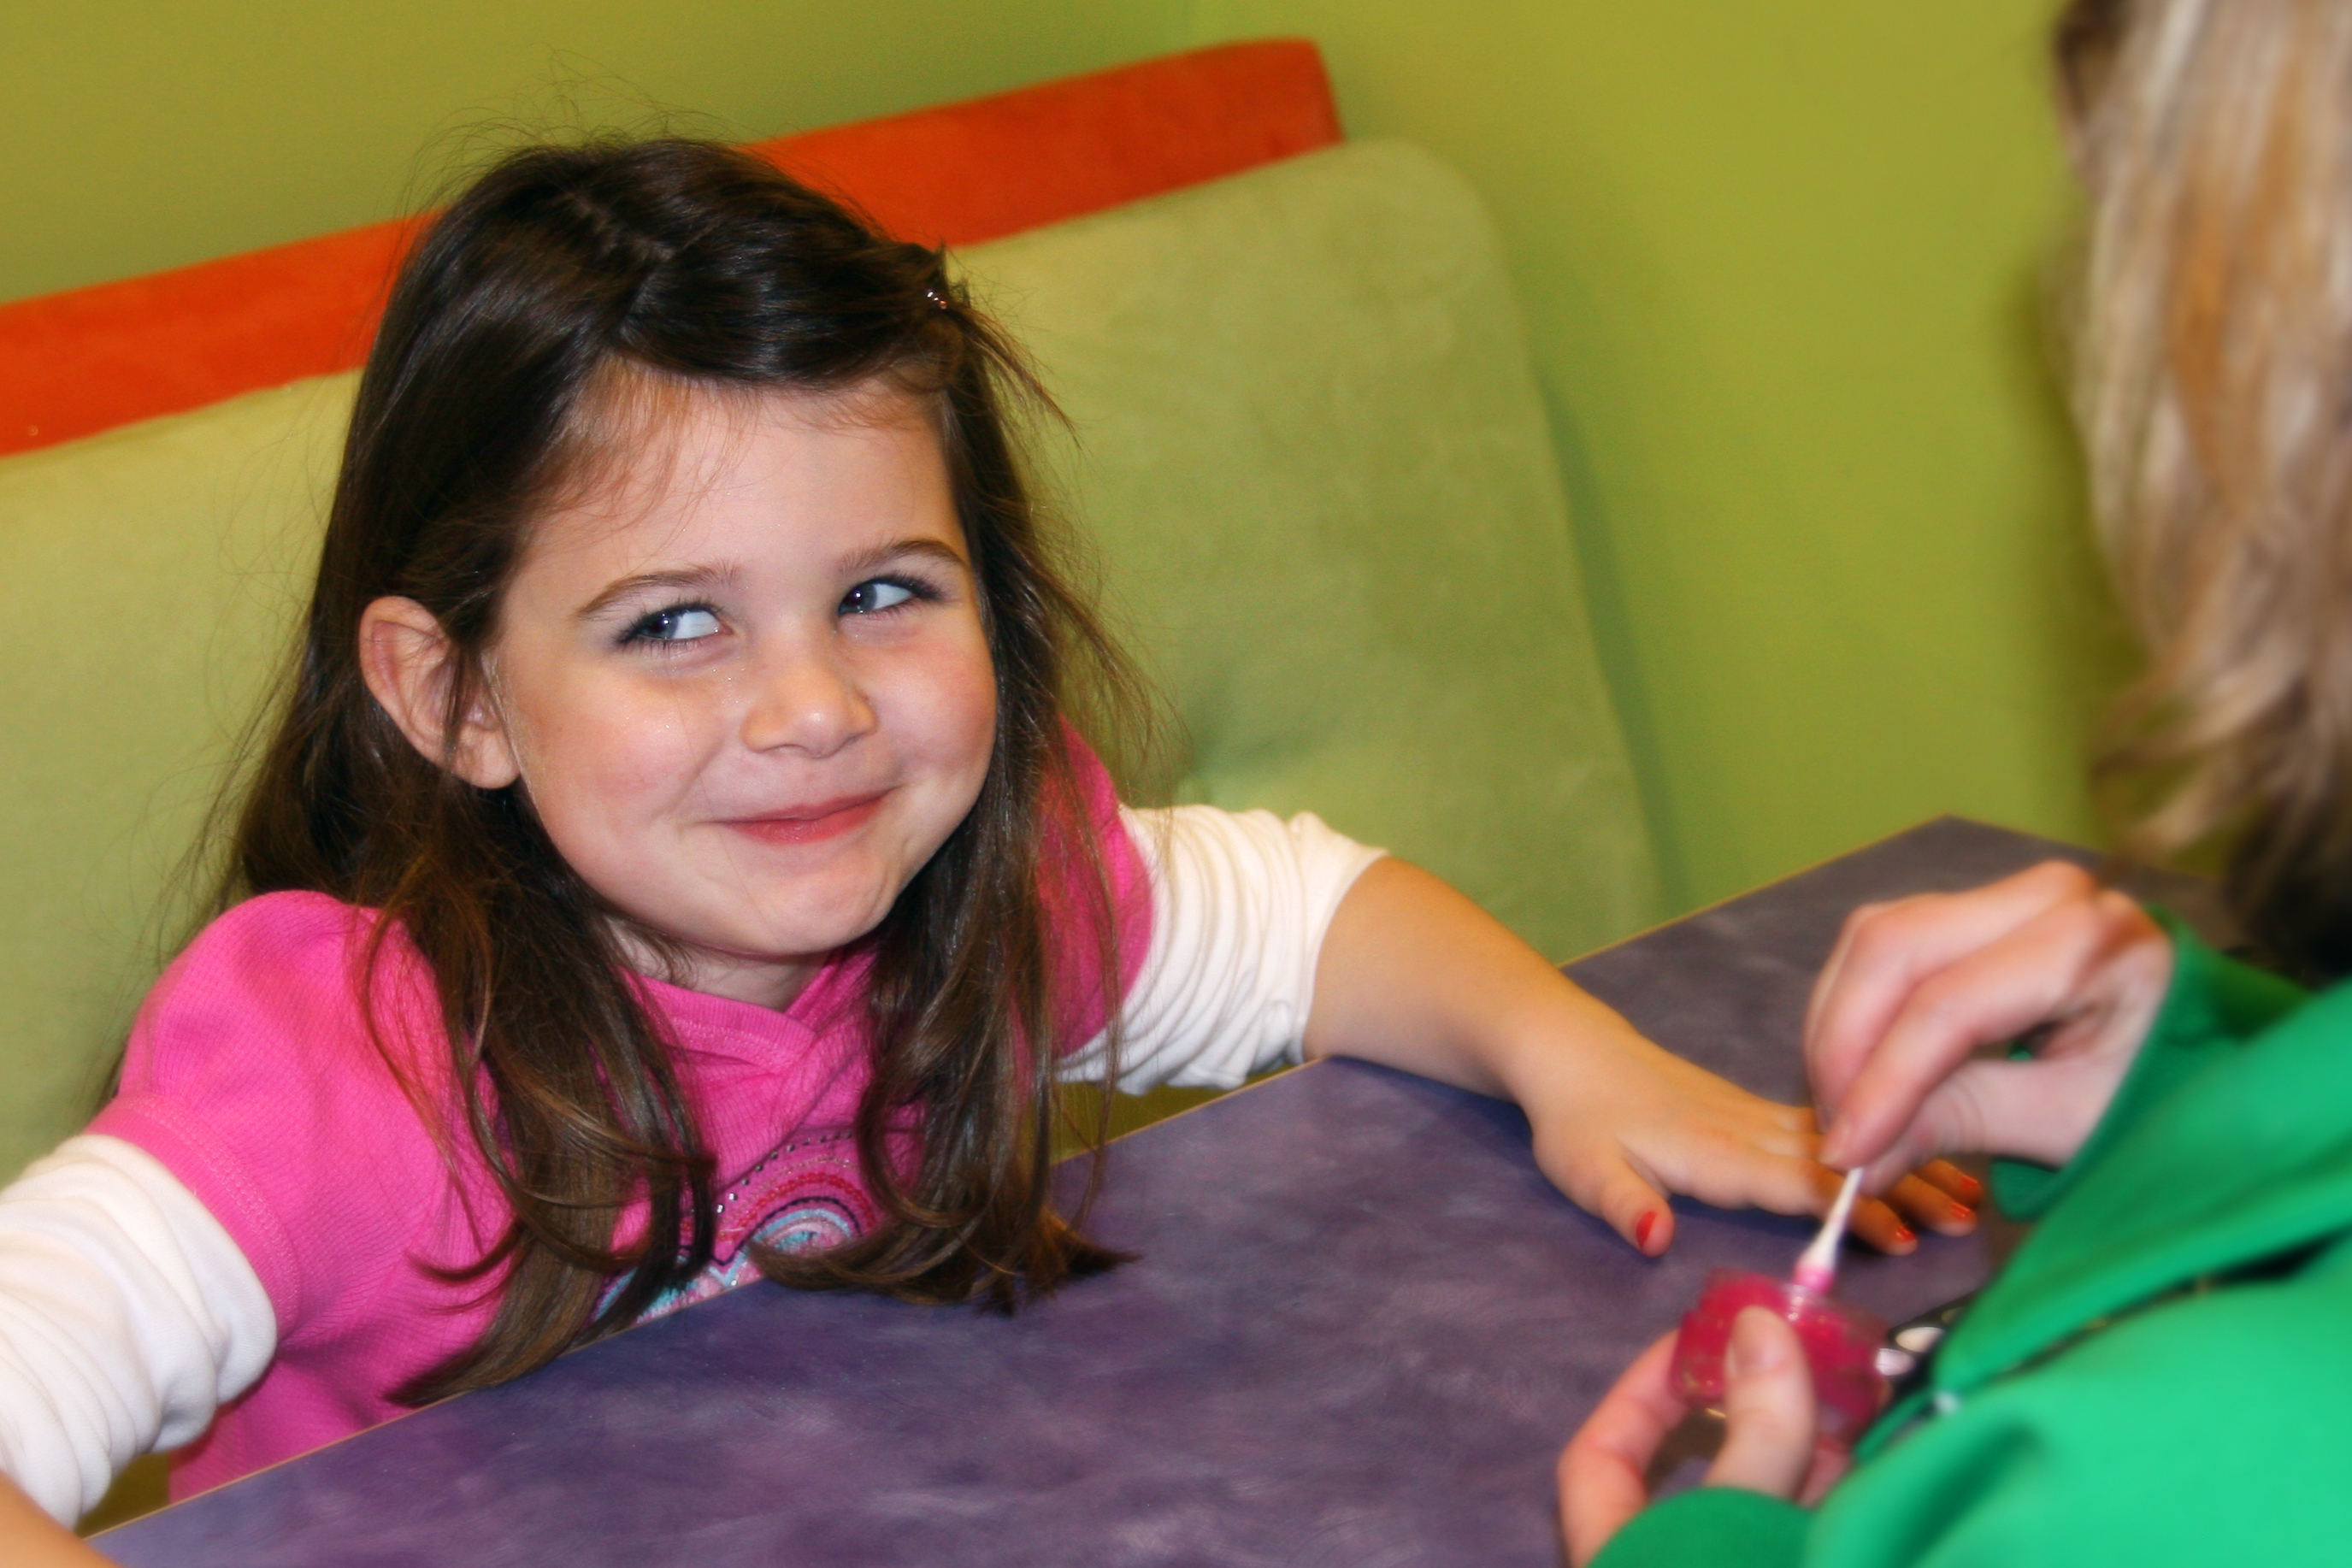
813, 823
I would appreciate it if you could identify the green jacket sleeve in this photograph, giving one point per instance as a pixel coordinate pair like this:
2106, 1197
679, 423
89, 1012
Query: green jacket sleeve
2203, 1430
2215, 1003
1710, 1525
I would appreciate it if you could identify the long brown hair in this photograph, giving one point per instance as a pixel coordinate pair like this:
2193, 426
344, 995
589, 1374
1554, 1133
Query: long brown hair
2214, 360
557, 272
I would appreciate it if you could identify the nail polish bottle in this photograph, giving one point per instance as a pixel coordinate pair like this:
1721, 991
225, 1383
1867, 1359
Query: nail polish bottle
1840, 1342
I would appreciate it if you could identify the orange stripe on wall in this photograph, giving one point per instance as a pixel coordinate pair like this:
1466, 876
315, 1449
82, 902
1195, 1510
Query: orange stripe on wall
75, 364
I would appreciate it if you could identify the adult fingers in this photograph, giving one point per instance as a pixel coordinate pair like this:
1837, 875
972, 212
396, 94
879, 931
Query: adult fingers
1770, 1419
1887, 950
2039, 1111
1883, 947
2035, 973
1602, 1469
1830, 1465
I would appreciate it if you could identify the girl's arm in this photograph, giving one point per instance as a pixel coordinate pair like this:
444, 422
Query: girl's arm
1240, 901
1275, 940
1414, 976
31, 1539
127, 1316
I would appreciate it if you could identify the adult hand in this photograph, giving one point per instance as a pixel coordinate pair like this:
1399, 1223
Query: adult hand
1915, 987
1770, 1440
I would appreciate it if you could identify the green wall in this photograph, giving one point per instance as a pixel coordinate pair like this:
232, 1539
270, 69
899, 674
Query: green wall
1780, 264
147, 133
1783, 269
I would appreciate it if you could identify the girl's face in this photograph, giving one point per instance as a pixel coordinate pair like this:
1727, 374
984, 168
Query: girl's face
744, 681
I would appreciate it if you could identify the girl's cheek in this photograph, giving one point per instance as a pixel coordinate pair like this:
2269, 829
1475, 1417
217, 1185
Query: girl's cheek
969, 711
618, 751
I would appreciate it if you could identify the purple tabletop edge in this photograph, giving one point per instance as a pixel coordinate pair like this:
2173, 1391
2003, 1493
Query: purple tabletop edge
1360, 1327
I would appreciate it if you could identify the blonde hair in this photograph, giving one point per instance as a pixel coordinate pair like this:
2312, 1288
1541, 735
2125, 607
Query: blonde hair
2213, 362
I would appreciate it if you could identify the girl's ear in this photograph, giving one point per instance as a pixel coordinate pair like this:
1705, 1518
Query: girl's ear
408, 665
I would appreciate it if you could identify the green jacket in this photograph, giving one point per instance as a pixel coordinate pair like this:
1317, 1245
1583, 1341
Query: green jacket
2164, 1372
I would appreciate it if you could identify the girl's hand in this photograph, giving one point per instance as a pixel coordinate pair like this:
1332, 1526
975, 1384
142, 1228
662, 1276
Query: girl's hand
1415, 975
1770, 1442
1620, 1122
1915, 987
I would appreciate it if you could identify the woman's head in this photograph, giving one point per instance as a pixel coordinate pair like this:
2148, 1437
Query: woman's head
682, 607
2214, 379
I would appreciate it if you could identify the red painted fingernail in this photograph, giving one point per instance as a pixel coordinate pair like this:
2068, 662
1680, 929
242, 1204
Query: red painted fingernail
1903, 1236
1971, 1190
1643, 1227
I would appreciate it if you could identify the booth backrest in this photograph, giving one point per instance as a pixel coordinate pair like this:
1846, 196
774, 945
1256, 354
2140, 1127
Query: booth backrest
1308, 446
75, 364
1311, 451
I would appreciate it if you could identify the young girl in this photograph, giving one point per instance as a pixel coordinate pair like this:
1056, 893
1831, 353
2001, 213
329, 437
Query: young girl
673, 862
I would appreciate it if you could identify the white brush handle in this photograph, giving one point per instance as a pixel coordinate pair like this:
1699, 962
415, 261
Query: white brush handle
1817, 1268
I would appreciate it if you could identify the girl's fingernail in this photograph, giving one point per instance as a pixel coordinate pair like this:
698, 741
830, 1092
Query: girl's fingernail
1971, 1190
1903, 1236
1643, 1227
1963, 1215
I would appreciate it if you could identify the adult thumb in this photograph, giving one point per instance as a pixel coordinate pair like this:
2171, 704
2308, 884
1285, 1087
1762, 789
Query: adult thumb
1769, 1414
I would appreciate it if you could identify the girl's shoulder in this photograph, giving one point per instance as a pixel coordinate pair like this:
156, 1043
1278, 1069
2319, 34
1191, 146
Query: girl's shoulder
274, 929
307, 1115
283, 973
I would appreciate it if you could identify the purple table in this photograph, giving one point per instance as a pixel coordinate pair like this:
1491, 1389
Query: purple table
1360, 1330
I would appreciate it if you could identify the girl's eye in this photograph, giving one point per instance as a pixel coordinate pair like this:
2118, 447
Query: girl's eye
880, 593
678, 624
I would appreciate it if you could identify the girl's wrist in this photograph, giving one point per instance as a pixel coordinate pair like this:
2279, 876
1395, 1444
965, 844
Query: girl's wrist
1566, 1045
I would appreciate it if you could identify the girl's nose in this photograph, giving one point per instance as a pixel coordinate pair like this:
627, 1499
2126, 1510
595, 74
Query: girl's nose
807, 702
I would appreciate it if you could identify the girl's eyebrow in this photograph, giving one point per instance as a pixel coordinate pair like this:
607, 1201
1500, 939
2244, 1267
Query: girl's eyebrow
689, 578
936, 549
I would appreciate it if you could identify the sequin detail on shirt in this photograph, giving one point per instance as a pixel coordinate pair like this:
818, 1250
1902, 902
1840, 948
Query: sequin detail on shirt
805, 1196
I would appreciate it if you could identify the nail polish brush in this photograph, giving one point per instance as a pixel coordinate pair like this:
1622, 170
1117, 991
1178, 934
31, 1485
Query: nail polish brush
1816, 1268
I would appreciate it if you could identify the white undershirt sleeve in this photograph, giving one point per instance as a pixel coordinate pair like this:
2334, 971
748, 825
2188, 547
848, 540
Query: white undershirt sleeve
1239, 902
127, 1317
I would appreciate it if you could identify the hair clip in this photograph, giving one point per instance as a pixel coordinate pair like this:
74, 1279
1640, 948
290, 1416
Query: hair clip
936, 298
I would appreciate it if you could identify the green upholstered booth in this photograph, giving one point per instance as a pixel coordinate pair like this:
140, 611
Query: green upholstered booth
1311, 451
1307, 444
